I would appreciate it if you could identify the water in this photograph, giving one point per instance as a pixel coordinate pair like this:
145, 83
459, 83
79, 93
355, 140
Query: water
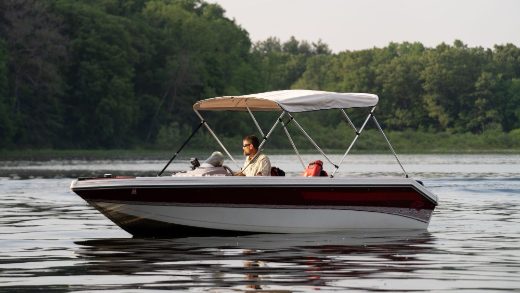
52, 241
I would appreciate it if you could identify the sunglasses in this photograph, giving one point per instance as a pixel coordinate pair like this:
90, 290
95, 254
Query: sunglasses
246, 145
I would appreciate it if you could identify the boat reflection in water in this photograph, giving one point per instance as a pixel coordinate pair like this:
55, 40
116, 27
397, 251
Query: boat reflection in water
262, 261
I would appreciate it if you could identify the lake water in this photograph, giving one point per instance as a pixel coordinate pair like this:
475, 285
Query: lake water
51, 240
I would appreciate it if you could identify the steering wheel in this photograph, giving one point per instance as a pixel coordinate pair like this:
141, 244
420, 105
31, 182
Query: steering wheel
228, 170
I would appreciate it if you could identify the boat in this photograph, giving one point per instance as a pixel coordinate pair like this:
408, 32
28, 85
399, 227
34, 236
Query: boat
195, 203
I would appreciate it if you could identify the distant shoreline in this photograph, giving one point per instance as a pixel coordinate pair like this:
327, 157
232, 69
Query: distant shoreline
151, 154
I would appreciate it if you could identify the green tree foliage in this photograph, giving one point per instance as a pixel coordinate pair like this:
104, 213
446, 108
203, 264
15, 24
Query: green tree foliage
6, 122
449, 83
401, 88
447, 88
137, 66
511, 108
117, 74
198, 51
100, 76
280, 65
35, 49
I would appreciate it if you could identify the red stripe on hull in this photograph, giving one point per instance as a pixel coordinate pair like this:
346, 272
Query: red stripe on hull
401, 197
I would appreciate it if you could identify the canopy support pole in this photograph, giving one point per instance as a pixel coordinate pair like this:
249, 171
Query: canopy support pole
264, 140
292, 142
256, 122
215, 137
389, 144
312, 141
358, 133
349, 121
180, 149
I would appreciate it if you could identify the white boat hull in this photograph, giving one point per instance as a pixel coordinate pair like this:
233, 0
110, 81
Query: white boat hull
265, 220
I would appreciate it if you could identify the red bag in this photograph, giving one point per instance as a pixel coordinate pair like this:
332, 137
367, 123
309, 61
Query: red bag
315, 169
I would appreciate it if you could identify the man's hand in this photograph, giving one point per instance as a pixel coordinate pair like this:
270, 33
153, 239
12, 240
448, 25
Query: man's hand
239, 173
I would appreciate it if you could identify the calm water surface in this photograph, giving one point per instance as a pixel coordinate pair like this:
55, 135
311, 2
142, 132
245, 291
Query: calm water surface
52, 241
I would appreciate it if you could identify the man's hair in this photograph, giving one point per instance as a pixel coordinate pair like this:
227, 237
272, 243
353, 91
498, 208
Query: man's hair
252, 140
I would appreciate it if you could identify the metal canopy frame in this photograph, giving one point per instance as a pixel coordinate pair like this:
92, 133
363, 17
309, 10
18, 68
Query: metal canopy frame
279, 120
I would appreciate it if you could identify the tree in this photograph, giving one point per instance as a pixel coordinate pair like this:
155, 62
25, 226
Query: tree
401, 88
511, 106
449, 80
282, 65
506, 61
6, 122
199, 54
100, 102
36, 50
316, 75
484, 113
270, 45
114, 73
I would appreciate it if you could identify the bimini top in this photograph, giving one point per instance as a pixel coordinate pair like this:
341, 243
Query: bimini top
288, 100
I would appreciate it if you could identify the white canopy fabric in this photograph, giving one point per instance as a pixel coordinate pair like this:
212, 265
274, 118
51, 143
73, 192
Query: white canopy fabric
288, 100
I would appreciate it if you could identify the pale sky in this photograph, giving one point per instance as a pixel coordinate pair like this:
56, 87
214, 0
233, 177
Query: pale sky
362, 24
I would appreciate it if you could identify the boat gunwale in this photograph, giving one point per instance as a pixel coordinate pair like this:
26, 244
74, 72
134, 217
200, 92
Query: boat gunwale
261, 182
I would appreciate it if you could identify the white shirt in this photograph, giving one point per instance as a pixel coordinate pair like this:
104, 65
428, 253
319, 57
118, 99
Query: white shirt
260, 165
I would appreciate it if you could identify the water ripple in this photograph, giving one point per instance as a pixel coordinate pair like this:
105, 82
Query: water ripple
53, 241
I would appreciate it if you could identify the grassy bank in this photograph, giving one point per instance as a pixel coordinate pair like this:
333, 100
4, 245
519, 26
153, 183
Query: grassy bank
421, 142
370, 141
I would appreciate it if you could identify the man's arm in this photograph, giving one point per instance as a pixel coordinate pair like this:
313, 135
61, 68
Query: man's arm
265, 167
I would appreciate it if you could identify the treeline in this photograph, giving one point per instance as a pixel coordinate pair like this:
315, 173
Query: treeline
121, 74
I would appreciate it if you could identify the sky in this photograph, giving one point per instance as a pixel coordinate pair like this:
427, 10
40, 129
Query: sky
364, 24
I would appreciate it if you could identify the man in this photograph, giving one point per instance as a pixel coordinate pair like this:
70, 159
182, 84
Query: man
260, 166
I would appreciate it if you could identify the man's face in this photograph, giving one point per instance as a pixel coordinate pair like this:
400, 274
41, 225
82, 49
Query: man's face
247, 147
